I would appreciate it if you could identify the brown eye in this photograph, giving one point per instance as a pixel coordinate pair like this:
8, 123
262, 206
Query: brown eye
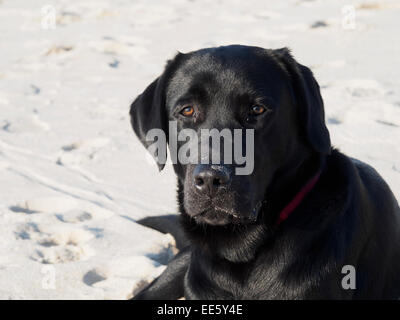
187, 111
257, 110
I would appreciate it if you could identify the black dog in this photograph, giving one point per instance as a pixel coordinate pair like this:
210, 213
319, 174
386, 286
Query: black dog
287, 230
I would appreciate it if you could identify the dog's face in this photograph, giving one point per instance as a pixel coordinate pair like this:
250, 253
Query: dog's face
235, 89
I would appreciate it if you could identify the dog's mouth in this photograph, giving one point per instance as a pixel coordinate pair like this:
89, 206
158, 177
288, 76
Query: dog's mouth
219, 216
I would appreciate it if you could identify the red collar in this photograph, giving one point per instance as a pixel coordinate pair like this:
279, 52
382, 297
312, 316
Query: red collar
284, 214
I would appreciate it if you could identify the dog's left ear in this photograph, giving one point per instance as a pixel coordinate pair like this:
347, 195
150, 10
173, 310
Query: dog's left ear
309, 101
148, 111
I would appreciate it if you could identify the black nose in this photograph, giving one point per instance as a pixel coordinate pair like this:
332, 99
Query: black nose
209, 179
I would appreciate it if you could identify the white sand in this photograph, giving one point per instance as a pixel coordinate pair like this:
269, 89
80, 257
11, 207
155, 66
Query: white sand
73, 178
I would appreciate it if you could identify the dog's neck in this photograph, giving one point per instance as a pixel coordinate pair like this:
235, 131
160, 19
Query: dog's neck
287, 182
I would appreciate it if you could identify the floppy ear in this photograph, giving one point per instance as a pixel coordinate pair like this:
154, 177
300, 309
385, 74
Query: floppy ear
148, 111
309, 101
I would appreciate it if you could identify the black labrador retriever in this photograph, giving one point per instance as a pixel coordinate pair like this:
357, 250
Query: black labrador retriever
307, 223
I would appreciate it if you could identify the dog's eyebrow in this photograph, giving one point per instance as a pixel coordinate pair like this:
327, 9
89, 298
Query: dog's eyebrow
266, 100
196, 92
185, 99
255, 97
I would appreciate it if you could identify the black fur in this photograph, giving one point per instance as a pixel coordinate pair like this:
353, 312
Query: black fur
350, 217
167, 224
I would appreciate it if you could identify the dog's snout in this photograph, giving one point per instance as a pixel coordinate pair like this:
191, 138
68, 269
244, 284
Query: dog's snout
210, 179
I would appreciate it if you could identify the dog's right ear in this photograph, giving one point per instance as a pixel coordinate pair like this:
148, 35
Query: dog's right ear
148, 111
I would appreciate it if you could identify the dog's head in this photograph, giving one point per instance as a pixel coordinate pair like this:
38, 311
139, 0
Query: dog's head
260, 101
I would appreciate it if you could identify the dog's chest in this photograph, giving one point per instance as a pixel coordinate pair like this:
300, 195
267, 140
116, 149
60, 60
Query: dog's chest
258, 279
269, 276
